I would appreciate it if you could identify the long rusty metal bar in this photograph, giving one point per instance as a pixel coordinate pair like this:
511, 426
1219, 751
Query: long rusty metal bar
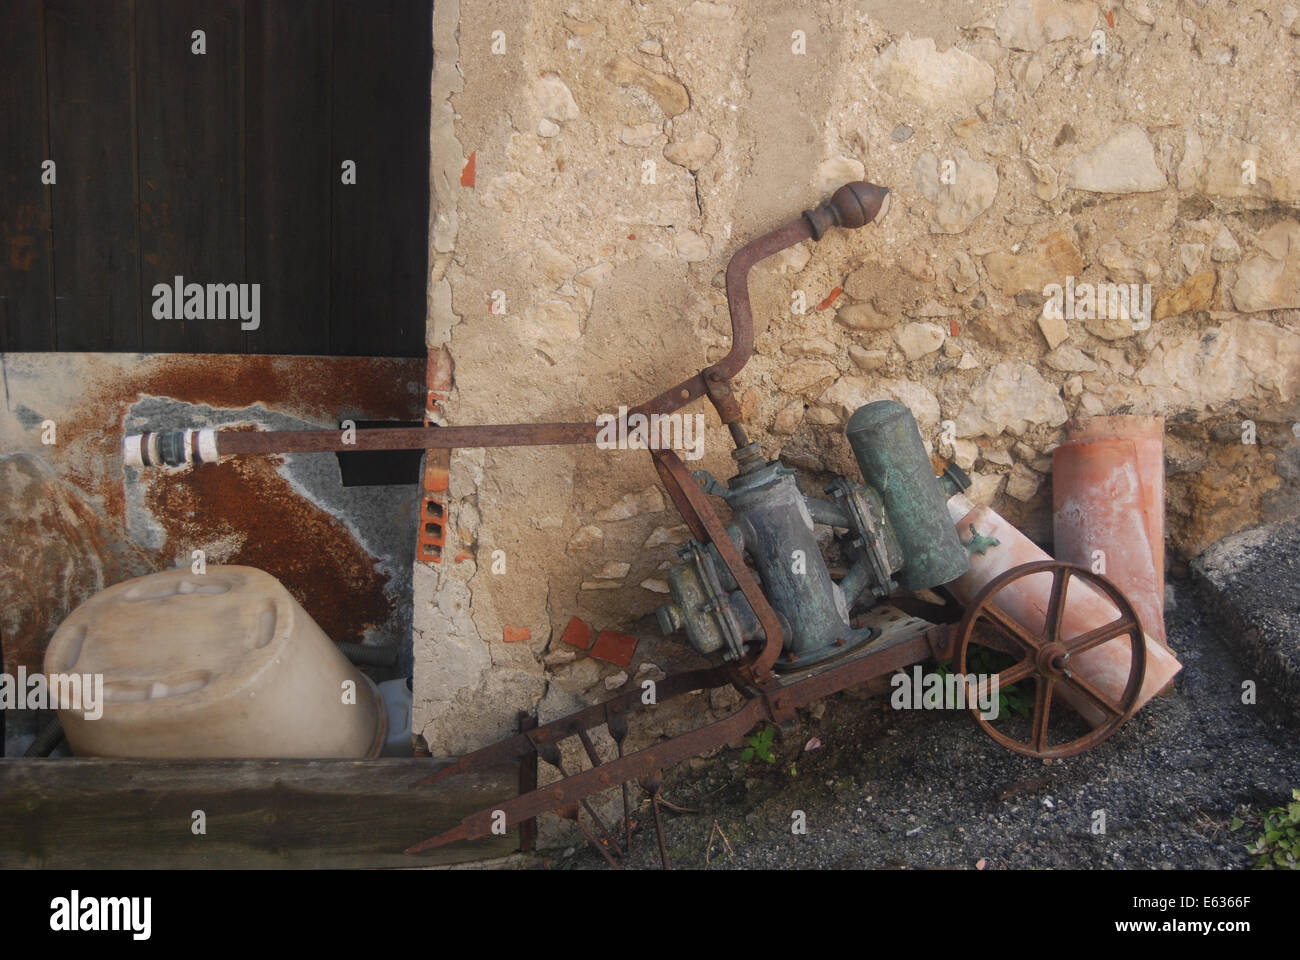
405, 438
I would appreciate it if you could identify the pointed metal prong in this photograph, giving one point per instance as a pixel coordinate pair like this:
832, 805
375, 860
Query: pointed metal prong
653, 784
571, 812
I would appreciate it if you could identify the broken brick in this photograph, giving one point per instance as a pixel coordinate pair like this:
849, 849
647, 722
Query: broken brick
517, 634
614, 647
831, 299
577, 634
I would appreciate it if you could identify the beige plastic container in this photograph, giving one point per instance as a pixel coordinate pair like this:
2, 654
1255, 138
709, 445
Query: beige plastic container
220, 664
1107, 666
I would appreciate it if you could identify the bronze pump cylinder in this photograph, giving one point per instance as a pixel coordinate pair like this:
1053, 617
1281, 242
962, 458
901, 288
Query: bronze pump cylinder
891, 455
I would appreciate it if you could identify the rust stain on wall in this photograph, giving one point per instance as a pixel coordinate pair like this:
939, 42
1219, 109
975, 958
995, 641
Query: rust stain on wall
56, 551
63, 507
313, 388
310, 551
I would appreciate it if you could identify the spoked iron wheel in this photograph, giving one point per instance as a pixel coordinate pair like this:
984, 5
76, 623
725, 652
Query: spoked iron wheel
1042, 654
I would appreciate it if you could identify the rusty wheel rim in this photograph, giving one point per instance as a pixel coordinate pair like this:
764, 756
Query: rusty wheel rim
1045, 656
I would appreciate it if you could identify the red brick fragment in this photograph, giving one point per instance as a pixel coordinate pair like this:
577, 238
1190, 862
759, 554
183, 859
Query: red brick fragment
614, 647
831, 299
577, 634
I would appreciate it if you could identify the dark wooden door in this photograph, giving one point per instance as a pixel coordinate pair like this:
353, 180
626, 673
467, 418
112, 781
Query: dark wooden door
219, 158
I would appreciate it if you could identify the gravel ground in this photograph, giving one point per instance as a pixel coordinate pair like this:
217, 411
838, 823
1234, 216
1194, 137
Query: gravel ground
928, 789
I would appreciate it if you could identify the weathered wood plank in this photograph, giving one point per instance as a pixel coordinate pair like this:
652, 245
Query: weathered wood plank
92, 139
26, 254
191, 133
290, 172
93, 813
382, 64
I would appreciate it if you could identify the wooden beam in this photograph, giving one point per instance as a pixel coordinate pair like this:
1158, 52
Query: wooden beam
92, 813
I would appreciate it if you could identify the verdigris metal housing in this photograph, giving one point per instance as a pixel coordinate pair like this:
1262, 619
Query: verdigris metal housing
895, 525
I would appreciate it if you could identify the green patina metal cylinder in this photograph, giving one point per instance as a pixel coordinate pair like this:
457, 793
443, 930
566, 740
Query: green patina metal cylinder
887, 444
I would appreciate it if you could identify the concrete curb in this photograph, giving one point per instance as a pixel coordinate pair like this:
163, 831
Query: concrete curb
1251, 582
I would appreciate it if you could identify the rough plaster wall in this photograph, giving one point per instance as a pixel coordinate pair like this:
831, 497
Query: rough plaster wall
1123, 166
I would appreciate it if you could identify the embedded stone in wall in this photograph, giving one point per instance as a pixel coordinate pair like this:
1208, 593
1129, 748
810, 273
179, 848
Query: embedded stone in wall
837, 171
959, 187
1011, 396
1240, 360
1225, 248
868, 360
1050, 261
666, 91
691, 247
1023, 483
1125, 162
850, 393
693, 152
1032, 24
949, 83
1237, 168
962, 273
1195, 293
552, 98
862, 316
815, 347
1069, 360
789, 417
641, 135
918, 339
1054, 329
587, 536
1269, 279
806, 376
552, 327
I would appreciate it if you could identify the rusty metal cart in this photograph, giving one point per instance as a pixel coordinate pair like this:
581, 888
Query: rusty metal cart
784, 640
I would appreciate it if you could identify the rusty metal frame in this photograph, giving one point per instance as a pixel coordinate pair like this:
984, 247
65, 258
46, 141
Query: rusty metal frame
767, 696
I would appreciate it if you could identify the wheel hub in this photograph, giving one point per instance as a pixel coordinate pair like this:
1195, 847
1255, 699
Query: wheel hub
1052, 660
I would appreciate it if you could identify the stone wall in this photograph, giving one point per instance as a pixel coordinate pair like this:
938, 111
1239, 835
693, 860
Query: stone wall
621, 152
